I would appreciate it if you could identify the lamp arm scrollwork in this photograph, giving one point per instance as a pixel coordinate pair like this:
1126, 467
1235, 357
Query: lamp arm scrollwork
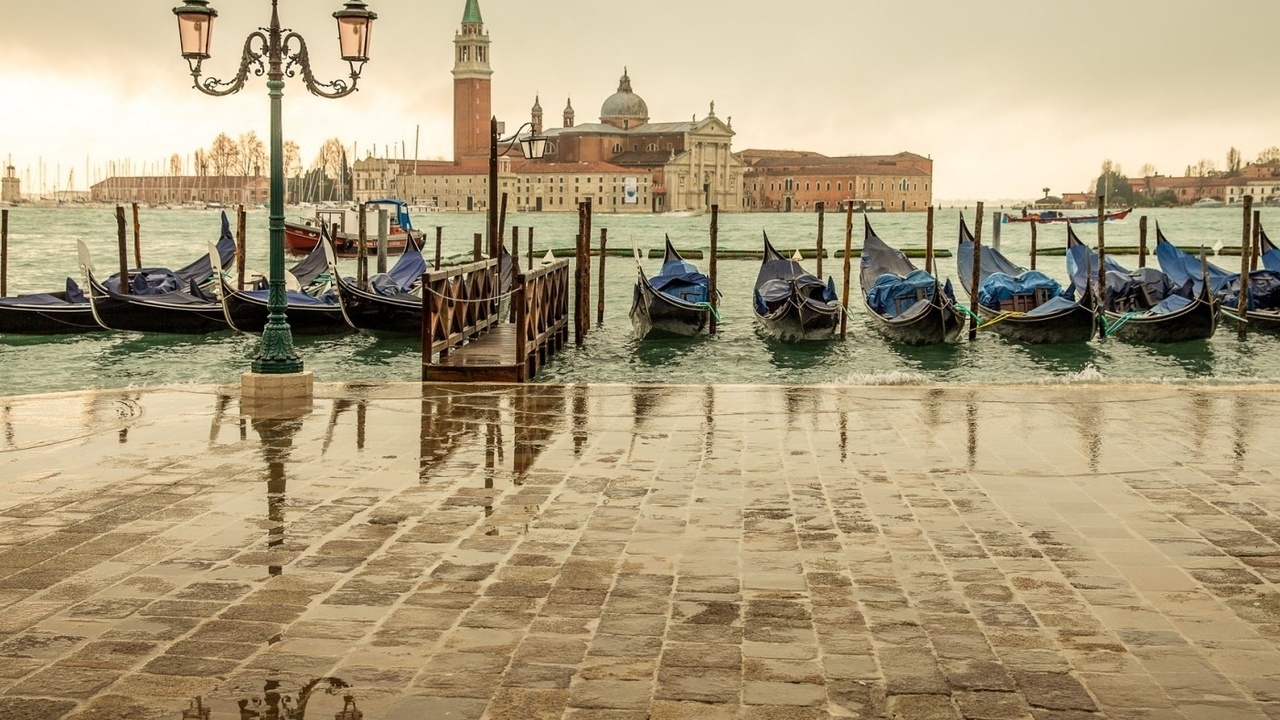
250, 61
511, 141
300, 60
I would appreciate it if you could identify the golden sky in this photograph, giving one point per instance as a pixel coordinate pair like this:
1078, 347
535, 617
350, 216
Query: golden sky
1007, 96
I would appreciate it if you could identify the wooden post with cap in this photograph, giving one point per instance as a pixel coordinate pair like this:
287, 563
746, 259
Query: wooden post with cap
1246, 252
715, 237
977, 273
848, 268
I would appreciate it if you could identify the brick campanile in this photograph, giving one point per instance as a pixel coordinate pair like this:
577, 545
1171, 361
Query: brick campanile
472, 98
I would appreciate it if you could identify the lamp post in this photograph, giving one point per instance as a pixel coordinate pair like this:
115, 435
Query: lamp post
278, 53
534, 147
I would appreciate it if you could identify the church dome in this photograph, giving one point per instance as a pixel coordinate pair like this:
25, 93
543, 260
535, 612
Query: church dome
624, 108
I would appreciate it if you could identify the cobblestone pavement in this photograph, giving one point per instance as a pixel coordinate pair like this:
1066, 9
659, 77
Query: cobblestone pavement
618, 553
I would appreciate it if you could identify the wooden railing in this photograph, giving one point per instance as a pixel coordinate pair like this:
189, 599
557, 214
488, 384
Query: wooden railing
541, 313
458, 305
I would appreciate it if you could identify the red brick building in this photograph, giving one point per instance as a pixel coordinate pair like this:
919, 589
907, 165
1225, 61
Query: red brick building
796, 181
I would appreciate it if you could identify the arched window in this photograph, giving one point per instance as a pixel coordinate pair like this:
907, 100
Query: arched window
617, 148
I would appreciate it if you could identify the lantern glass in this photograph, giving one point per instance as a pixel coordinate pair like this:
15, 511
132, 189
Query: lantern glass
534, 146
353, 38
195, 30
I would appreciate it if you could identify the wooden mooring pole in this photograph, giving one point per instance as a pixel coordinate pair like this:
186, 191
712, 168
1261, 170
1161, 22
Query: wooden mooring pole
848, 268
122, 235
241, 247
439, 245
383, 230
822, 214
1102, 259
515, 249
604, 240
502, 220
4, 253
1246, 252
995, 229
530, 241
928, 241
586, 267
362, 251
715, 241
977, 273
478, 250
1033, 244
1142, 241
137, 238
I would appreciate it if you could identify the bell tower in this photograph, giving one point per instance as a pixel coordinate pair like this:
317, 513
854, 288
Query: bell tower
472, 95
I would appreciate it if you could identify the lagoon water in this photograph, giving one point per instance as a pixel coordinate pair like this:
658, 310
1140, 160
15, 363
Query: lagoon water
42, 254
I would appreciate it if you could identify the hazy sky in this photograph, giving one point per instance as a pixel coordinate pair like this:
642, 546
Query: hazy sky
1007, 96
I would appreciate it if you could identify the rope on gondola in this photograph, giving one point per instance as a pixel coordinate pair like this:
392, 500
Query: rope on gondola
711, 308
1110, 329
999, 319
965, 309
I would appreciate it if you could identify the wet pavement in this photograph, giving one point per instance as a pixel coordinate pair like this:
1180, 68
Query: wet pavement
618, 553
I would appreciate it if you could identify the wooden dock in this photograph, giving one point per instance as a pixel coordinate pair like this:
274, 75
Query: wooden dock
465, 341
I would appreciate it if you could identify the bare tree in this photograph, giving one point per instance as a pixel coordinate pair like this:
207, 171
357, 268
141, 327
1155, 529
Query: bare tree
1147, 170
175, 165
1271, 154
1205, 168
330, 160
253, 154
1233, 162
292, 159
224, 154
201, 160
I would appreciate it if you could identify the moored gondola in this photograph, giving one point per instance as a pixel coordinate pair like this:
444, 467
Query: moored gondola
160, 300
1270, 255
792, 304
1143, 305
61, 312
1023, 305
674, 303
1263, 312
308, 313
906, 304
387, 306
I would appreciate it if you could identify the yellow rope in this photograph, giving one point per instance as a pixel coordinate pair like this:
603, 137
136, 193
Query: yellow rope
1000, 318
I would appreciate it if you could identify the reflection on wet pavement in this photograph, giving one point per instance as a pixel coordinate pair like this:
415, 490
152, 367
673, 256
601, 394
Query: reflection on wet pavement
405, 551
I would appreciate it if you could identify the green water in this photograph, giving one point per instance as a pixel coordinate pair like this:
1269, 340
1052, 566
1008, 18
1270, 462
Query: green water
42, 253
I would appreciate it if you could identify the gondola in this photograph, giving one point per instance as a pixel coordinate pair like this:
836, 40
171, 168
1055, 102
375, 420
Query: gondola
160, 300
1023, 305
1143, 305
62, 312
308, 313
1270, 255
1263, 312
673, 303
791, 303
906, 304
388, 306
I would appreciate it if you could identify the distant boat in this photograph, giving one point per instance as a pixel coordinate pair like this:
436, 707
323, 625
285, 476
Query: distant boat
1143, 305
1208, 202
674, 303
1053, 216
1023, 305
344, 229
791, 303
905, 303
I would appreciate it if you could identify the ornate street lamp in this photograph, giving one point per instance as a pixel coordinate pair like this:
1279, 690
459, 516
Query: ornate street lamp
534, 147
278, 53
